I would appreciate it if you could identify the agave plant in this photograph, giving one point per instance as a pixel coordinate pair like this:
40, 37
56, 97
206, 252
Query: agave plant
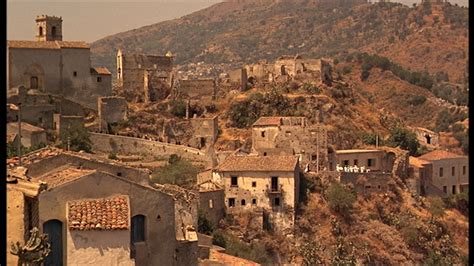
34, 251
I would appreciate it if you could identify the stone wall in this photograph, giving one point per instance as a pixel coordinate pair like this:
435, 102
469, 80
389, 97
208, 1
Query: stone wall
211, 205
197, 89
15, 222
367, 182
129, 146
204, 131
112, 110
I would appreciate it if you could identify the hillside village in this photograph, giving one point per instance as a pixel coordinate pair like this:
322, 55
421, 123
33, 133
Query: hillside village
298, 159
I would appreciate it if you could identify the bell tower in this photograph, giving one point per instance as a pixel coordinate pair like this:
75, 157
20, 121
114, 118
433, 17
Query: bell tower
49, 28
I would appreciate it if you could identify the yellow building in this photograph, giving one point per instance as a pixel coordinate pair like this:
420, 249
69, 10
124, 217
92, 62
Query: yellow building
268, 183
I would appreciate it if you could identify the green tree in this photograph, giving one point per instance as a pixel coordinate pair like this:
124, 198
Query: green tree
178, 172
77, 138
178, 108
340, 199
401, 137
436, 206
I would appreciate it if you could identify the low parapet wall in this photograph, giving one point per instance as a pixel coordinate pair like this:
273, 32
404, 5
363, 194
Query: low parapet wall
131, 146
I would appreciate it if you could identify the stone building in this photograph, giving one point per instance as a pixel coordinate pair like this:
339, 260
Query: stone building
53, 66
268, 183
287, 68
211, 201
97, 212
112, 109
291, 136
441, 173
62, 123
371, 160
30, 135
205, 131
426, 137
144, 77
196, 89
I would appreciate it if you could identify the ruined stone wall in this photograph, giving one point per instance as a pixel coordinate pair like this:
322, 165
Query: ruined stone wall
380, 164
197, 89
204, 131
367, 182
211, 205
128, 145
426, 137
112, 109
62, 122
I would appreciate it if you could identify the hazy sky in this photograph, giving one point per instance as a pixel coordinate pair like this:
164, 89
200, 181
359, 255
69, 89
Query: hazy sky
90, 20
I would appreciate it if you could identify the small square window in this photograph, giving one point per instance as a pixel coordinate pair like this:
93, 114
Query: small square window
74, 73
263, 134
445, 189
464, 170
453, 171
346, 163
370, 162
233, 181
242, 202
356, 162
254, 184
254, 201
454, 189
99, 79
441, 172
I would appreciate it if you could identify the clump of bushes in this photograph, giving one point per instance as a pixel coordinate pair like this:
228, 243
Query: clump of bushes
405, 139
178, 171
340, 198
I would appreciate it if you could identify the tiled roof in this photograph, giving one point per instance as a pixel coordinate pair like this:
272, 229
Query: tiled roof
227, 259
439, 155
62, 175
268, 121
99, 214
258, 163
47, 44
100, 71
24, 126
417, 161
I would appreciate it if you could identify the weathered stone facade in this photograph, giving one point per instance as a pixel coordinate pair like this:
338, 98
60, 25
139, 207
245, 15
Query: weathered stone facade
291, 136
268, 183
112, 109
426, 137
144, 78
196, 89
30, 135
205, 132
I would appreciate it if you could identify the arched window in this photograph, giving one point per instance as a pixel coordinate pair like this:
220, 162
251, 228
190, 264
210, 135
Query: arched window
54, 230
53, 31
34, 83
40, 31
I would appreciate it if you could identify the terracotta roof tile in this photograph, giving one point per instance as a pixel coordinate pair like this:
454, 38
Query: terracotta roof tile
227, 259
100, 71
268, 121
73, 44
417, 161
99, 214
258, 163
439, 155
62, 175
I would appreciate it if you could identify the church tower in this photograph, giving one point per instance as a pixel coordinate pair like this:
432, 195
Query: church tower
49, 28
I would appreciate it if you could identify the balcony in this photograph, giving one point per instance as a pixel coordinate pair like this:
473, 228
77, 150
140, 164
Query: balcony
274, 190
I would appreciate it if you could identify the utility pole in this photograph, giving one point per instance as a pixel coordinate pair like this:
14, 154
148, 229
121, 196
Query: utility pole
19, 134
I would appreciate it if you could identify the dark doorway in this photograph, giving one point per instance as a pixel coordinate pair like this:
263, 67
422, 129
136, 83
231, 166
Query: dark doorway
283, 70
53, 31
34, 83
428, 139
137, 233
202, 142
274, 183
54, 230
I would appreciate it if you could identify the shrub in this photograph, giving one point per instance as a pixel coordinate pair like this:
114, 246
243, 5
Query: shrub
457, 128
340, 199
310, 251
204, 225
254, 252
417, 100
370, 139
112, 156
178, 108
436, 206
459, 202
77, 138
12, 149
178, 172
404, 139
